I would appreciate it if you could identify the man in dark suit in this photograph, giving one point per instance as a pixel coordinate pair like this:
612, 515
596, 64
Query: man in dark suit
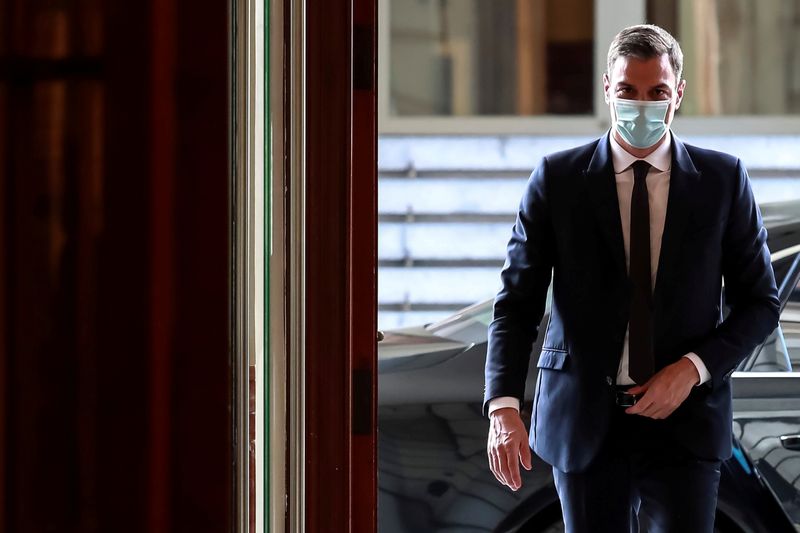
637, 229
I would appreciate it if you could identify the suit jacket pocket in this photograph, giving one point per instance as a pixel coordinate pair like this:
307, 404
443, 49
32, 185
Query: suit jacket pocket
552, 358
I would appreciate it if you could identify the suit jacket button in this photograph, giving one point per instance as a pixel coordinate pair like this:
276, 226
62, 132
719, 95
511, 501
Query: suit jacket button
609, 380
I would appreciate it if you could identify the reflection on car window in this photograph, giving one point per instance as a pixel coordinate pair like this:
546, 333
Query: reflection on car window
781, 350
472, 323
790, 323
774, 355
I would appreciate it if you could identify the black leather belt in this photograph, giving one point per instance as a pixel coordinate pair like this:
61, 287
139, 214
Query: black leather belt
623, 398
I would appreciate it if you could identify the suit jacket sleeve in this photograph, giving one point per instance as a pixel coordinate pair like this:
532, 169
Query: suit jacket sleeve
519, 305
750, 288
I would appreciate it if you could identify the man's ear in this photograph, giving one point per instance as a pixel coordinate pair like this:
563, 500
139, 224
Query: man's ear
679, 92
606, 86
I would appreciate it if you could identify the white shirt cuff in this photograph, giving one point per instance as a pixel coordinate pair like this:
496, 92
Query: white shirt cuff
705, 375
503, 401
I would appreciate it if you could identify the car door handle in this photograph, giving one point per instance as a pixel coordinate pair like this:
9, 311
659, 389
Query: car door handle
791, 442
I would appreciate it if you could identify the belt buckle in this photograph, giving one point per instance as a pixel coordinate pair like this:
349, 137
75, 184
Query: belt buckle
625, 399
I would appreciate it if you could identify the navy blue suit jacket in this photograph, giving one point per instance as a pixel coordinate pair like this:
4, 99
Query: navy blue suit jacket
568, 228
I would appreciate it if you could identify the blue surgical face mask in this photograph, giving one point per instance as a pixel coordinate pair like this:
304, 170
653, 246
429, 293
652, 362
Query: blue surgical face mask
641, 123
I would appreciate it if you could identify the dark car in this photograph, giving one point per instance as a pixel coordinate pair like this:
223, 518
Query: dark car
433, 473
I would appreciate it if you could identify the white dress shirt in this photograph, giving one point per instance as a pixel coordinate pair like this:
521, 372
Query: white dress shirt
657, 193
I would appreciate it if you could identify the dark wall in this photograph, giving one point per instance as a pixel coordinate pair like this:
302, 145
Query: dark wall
114, 290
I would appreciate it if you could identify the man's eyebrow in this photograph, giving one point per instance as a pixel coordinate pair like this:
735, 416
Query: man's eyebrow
661, 85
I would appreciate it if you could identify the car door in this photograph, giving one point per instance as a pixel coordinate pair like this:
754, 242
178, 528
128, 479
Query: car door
766, 401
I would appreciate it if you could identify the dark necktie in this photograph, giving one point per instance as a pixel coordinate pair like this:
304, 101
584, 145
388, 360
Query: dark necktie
640, 334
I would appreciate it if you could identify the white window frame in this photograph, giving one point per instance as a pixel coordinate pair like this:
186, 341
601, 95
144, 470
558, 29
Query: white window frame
610, 17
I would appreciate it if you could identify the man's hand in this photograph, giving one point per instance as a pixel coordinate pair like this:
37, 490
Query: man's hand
665, 390
507, 447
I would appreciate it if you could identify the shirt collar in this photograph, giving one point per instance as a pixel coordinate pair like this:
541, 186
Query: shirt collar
661, 158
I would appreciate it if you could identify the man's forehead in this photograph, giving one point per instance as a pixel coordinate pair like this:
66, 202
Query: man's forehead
632, 69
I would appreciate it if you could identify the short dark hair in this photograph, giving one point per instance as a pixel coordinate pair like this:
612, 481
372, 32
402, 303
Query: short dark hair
645, 41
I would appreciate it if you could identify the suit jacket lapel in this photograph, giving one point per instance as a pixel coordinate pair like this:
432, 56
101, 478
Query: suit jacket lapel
682, 184
602, 186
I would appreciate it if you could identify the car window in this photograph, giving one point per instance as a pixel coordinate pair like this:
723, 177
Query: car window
774, 355
471, 323
790, 326
780, 352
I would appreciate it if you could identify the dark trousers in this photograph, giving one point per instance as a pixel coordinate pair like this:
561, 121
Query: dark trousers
641, 481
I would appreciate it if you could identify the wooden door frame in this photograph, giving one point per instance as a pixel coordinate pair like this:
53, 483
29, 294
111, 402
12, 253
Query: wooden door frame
341, 266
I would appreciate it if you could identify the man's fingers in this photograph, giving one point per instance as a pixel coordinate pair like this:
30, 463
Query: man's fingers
525, 456
664, 412
643, 409
641, 405
493, 466
499, 465
638, 407
502, 467
657, 401
513, 469
507, 446
636, 389
651, 409
646, 413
